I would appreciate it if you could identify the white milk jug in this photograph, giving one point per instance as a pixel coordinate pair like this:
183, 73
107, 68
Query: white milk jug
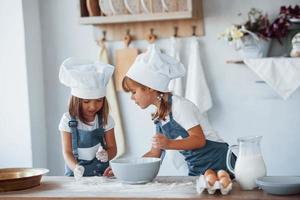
249, 164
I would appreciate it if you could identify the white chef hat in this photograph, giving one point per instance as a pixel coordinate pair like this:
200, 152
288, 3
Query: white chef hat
87, 79
155, 69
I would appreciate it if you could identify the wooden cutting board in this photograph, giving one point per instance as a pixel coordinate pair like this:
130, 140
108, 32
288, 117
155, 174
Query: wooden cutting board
124, 58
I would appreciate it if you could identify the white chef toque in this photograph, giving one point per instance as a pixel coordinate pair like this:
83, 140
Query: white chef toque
155, 69
87, 79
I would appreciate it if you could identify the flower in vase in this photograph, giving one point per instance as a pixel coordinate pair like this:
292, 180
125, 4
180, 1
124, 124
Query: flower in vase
256, 24
232, 34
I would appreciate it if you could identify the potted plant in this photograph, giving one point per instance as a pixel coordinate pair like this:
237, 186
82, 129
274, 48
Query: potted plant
249, 38
252, 38
280, 26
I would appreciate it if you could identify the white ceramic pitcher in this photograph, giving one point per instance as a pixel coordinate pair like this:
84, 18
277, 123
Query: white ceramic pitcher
249, 164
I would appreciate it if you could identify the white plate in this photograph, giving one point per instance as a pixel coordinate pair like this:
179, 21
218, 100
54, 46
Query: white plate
279, 185
105, 7
174, 5
118, 7
295, 20
133, 6
152, 6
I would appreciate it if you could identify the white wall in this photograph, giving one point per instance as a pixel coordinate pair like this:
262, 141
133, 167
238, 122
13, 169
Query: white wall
35, 77
241, 107
15, 135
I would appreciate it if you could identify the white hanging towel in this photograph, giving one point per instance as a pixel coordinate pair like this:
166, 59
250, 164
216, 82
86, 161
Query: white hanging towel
177, 86
282, 74
196, 87
193, 86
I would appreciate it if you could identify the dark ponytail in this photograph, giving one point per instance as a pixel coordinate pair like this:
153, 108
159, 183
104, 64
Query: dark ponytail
164, 107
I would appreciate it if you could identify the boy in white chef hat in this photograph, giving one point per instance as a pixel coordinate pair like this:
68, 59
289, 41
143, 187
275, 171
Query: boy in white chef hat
87, 130
177, 119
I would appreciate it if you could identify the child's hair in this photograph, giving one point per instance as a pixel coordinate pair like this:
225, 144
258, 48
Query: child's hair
164, 107
75, 109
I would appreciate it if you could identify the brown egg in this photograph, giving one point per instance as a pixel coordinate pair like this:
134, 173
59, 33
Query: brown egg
223, 173
224, 181
210, 176
209, 171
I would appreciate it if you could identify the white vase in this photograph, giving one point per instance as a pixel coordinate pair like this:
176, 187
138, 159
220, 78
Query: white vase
253, 47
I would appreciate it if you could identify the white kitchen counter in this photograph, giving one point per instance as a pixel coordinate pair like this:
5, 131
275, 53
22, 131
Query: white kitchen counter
60, 187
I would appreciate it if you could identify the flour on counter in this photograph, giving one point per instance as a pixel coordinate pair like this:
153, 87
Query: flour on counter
104, 184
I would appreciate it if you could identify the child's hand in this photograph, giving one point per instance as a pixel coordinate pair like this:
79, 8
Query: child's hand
102, 154
78, 172
160, 141
108, 172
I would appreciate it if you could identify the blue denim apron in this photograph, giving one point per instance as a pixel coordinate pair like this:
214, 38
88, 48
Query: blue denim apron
211, 156
87, 139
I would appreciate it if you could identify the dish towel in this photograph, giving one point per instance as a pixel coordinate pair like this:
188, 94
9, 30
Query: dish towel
114, 105
196, 86
193, 86
176, 85
282, 74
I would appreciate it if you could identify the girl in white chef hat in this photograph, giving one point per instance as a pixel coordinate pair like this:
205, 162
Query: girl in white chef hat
177, 119
87, 130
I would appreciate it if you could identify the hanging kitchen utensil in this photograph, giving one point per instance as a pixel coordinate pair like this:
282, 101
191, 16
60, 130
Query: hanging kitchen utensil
124, 59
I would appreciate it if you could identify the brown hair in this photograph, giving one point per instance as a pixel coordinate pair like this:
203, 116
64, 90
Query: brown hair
164, 107
75, 109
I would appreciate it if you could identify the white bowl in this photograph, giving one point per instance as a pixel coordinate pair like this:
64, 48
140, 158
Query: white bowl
279, 185
135, 170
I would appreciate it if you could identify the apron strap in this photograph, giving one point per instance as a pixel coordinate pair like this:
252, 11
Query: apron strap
73, 123
170, 103
100, 123
159, 127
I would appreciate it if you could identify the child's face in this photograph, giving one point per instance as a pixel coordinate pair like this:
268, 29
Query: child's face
143, 97
90, 107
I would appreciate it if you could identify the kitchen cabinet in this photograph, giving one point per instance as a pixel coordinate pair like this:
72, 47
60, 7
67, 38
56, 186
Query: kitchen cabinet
59, 187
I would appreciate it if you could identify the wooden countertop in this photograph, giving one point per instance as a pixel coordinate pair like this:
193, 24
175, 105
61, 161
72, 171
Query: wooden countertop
60, 187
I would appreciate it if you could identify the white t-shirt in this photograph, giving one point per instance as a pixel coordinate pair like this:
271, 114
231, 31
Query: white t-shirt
64, 124
90, 152
187, 114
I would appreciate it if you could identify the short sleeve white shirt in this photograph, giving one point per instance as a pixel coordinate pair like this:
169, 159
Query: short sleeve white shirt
187, 114
64, 124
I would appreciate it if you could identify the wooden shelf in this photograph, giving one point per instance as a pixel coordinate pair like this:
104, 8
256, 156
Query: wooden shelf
136, 18
139, 25
235, 62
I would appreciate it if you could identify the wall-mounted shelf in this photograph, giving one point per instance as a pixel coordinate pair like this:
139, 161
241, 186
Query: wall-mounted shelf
139, 25
234, 62
118, 19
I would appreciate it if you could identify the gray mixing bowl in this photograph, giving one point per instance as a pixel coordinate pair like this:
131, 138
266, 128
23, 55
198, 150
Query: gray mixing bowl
135, 170
279, 185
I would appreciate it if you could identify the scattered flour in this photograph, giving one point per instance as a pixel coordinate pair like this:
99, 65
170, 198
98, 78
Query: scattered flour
104, 184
